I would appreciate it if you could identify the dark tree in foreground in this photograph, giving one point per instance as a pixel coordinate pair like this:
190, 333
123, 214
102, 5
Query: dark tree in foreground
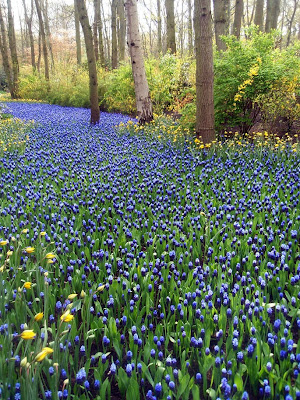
273, 10
13, 48
142, 93
205, 121
88, 38
171, 38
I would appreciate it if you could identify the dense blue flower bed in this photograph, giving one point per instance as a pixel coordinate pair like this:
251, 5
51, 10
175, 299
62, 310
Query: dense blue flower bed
186, 268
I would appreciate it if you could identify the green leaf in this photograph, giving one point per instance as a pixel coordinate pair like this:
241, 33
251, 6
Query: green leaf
183, 385
239, 382
133, 391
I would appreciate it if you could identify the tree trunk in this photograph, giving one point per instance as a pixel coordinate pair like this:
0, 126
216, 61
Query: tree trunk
100, 36
88, 38
159, 41
39, 52
5, 57
142, 93
190, 29
122, 30
106, 40
114, 43
43, 38
259, 14
44, 8
30, 34
238, 15
205, 122
171, 39
273, 10
13, 48
77, 34
95, 29
291, 21
221, 16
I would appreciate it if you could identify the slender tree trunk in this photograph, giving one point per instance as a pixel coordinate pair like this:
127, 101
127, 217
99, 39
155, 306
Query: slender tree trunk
13, 48
39, 52
259, 14
77, 34
171, 38
159, 41
190, 28
28, 20
95, 29
88, 38
142, 93
5, 56
43, 38
100, 35
205, 122
291, 21
238, 15
106, 36
221, 17
114, 42
273, 11
44, 8
122, 30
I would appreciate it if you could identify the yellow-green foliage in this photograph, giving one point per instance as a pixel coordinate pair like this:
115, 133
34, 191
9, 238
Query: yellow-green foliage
14, 134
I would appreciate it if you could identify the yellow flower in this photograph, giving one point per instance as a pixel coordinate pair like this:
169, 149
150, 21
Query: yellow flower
72, 296
28, 334
29, 250
25, 230
50, 256
38, 316
3, 242
67, 317
45, 351
43, 233
27, 285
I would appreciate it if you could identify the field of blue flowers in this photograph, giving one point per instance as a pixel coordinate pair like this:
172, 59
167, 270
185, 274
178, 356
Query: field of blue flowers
133, 269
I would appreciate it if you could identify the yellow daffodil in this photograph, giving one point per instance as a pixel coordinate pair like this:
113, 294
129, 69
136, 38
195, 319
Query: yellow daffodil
3, 242
72, 296
45, 351
49, 256
39, 316
25, 230
67, 317
28, 334
29, 250
27, 285
43, 233
100, 288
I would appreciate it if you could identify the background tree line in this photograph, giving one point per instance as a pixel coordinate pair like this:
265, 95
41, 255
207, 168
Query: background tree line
50, 32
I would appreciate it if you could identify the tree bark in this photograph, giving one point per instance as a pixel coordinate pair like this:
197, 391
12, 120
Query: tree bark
114, 42
5, 56
44, 8
205, 121
273, 10
142, 93
238, 15
159, 41
171, 38
13, 48
121, 30
43, 38
221, 17
291, 21
190, 29
100, 36
88, 38
28, 20
77, 34
259, 14
95, 29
